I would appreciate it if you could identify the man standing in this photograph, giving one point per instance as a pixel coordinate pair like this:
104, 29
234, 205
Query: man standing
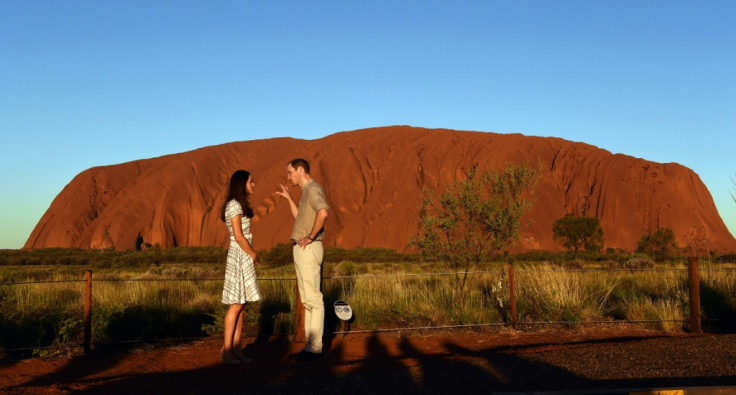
307, 235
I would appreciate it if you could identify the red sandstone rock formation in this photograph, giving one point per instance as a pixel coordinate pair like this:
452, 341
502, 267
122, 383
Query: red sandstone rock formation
373, 179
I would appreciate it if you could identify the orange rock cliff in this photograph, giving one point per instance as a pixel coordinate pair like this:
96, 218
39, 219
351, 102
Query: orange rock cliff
373, 179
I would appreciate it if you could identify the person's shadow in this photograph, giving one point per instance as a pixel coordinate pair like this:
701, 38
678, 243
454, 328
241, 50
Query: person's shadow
718, 308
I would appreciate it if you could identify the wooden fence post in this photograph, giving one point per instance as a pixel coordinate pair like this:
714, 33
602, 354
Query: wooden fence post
694, 285
512, 295
88, 312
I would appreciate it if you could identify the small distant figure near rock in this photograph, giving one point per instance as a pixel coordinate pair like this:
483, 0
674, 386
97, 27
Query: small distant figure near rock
307, 235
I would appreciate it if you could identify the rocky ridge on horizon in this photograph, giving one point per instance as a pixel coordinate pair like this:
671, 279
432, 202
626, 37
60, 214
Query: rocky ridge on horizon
373, 179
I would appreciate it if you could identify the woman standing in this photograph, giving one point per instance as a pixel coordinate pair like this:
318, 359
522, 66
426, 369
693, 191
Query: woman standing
240, 275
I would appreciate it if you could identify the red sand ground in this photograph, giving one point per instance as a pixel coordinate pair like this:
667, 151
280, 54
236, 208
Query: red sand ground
474, 362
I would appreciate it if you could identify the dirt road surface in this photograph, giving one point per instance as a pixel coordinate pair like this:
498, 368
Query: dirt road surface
449, 362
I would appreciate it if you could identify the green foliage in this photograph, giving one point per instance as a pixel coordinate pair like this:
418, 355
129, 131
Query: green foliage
69, 330
727, 258
37, 327
477, 216
216, 325
110, 258
350, 268
151, 322
577, 233
365, 255
659, 245
633, 263
279, 255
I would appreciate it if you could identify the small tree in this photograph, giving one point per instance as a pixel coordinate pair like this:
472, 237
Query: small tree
476, 217
658, 245
577, 233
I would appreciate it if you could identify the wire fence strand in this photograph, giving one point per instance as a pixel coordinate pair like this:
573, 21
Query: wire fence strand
383, 276
396, 275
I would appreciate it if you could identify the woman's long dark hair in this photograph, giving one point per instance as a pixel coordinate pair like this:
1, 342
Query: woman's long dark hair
236, 190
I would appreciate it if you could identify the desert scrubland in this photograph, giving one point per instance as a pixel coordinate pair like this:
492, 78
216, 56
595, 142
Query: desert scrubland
134, 300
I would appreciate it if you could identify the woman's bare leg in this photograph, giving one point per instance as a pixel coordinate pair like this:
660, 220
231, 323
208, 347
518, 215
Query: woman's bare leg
237, 347
233, 320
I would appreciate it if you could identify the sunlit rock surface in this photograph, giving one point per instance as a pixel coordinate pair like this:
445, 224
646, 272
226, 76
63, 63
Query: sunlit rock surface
373, 179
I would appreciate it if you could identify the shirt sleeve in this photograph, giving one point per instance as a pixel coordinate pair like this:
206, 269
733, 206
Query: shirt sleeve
232, 209
316, 199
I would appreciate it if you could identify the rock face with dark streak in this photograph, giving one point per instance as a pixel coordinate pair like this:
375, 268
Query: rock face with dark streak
373, 179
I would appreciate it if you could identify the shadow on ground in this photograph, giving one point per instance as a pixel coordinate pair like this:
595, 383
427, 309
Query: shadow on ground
381, 365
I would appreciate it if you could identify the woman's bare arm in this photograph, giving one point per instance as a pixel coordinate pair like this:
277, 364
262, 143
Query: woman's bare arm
236, 222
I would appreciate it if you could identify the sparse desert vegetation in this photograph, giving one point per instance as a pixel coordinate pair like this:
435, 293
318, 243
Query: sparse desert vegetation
134, 300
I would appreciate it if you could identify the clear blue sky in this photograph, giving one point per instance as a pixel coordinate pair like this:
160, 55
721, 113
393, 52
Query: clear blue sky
89, 83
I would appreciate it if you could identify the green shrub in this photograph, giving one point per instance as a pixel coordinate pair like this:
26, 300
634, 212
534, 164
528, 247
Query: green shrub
659, 245
575, 264
279, 255
634, 263
578, 233
346, 268
365, 255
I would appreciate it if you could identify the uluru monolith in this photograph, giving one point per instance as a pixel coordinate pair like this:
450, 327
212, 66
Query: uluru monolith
374, 180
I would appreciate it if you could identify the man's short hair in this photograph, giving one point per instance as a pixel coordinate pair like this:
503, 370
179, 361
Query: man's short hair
299, 162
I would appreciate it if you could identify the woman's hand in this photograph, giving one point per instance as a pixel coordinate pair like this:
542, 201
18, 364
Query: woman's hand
241, 240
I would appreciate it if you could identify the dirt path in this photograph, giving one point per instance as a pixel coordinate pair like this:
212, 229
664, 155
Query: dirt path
476, 362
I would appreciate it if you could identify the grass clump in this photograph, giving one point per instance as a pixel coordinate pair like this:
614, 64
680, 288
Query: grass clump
665, 314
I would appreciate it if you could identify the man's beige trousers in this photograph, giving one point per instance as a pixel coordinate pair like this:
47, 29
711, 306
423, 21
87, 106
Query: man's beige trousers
308, 262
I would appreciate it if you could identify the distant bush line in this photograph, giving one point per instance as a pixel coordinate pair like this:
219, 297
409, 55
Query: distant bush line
278, 255
110, 258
